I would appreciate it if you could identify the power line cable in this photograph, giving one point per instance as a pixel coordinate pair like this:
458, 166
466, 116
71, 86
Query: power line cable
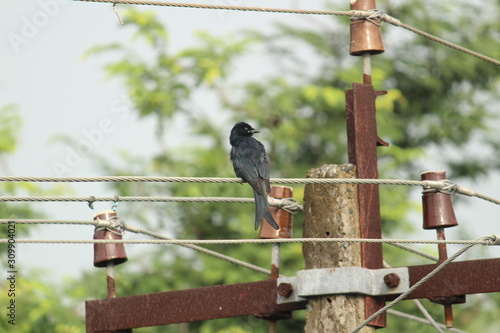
444, 186
486, 240
202, 250
288, 204
416, 251
370, 15
137, 230
224, 7
422, 320
422, 309
415, 286
427, 315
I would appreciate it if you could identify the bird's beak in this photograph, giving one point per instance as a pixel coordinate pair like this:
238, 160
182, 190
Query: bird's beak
253, 131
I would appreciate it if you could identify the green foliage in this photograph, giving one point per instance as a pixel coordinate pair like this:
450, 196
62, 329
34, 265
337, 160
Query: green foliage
10, 127
435, 97
38, 308
9, 123
38, 304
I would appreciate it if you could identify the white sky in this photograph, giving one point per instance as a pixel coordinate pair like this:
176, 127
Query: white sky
58, 93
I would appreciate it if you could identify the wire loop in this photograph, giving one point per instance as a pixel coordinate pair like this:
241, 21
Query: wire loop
113, 224
91, 202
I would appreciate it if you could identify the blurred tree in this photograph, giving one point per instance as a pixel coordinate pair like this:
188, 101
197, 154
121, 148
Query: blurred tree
10, 124
437, 100
38, 304
39, 307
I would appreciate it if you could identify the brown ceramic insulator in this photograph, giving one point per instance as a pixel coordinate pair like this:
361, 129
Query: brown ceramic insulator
104, 253
365, 35
282, 217
437, 207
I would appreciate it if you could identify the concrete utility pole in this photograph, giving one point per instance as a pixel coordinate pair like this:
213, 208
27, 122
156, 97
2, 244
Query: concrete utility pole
331, 211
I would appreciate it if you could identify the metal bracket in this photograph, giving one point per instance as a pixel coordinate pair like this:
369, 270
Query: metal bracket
344, 280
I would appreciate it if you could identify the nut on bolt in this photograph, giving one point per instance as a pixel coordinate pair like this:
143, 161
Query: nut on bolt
285, 289
391, 280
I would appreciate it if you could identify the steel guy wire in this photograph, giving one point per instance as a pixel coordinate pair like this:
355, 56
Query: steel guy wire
445, 186
493, 239
415, 286
370, 15
288, 204
202, 250
104, 224
100, 223
485, 240
273, 201
422, 309
422, 320
416, 251
427, 315
194, 247
206, 251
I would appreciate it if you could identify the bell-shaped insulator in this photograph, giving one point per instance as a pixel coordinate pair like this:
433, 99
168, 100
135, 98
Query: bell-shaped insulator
365, 33
437, 207
106, 253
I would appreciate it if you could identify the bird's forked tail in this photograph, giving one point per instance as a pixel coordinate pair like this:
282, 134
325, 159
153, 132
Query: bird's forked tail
262, 211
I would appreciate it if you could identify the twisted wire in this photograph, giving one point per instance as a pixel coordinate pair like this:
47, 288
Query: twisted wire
415, 286
220, 180
370, 15
202, 250
450, 44
445, 186
92, 199
422, 309
416, 251
427, 315
114, 223
290, 205
224, 7
487, 240
422, 320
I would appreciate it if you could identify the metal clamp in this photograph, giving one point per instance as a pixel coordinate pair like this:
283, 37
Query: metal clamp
343, 280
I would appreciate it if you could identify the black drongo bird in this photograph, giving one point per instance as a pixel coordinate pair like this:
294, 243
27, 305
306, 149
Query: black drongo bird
250, 162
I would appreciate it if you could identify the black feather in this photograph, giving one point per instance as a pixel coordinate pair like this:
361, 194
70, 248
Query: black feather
251, 163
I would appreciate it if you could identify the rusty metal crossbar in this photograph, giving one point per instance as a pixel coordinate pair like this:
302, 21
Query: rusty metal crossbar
260, 298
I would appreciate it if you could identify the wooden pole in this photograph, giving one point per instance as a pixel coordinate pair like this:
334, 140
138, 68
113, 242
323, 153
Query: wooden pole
332, 211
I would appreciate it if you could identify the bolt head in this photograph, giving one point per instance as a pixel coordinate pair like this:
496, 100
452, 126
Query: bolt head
392, 280
285, 289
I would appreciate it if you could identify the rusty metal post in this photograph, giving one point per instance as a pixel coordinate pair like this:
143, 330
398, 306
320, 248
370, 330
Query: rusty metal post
439, 214
362, 139
443, 255
285, 222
